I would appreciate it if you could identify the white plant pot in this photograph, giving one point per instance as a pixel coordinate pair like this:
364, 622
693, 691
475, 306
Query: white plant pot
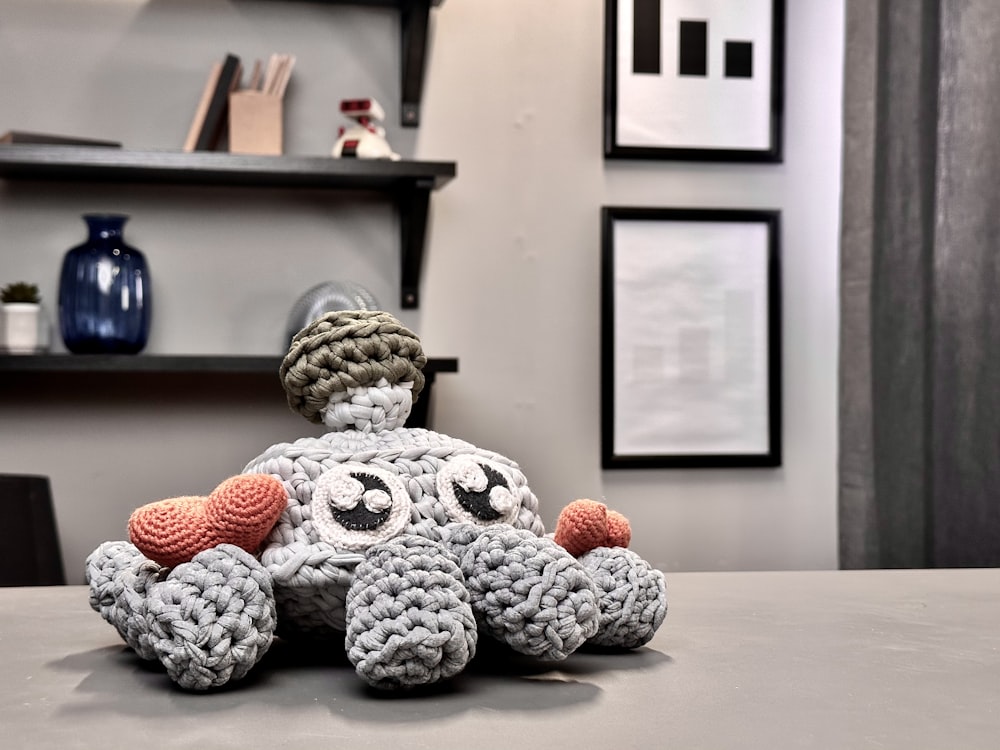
23, 328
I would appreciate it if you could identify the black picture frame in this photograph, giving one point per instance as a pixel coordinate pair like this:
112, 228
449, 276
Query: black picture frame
690, 338
692, 87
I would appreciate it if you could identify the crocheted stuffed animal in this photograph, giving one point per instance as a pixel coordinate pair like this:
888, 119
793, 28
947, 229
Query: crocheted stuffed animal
408, 544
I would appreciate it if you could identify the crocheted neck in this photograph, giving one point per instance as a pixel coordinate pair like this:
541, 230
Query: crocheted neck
377, 408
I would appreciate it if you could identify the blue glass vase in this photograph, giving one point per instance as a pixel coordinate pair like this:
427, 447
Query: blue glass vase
104, 291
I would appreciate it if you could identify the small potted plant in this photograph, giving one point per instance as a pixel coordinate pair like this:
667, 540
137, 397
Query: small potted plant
22, 327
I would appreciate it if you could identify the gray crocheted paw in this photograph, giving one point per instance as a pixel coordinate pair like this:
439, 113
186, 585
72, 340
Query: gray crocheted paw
120, 576
212, 619
632, 597
409, 621
526, 590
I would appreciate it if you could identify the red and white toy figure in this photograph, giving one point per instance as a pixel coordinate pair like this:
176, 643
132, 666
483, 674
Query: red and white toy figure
366, 139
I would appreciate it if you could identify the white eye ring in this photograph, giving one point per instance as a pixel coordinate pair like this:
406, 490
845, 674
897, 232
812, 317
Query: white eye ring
355, 505
477, 490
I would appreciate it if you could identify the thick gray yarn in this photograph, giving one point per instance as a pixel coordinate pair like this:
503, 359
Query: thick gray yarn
526, 590
213, 618
120, 577
408, 614
311, 578
208, 621
632, 597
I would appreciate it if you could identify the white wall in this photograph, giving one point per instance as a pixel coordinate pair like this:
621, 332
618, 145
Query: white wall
513, 95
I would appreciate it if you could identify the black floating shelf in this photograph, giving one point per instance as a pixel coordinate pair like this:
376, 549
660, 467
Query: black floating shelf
44, 372
101, 164
166, 363
408, 183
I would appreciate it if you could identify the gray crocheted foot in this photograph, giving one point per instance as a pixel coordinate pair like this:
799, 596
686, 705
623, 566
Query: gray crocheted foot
120, 576
632, 597
409, 622
526, 590
212, 619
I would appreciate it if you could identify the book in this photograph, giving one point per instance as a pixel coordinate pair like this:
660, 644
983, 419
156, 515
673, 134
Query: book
198, 121
48, 139
218, 106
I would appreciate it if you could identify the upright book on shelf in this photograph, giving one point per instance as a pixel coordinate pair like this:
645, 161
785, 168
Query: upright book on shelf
198, 121
217, 110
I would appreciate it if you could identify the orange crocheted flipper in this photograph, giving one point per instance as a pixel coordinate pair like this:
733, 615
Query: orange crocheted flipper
584, 525
239, 511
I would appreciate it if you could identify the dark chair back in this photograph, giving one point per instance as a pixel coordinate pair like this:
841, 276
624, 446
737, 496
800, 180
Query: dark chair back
29, 539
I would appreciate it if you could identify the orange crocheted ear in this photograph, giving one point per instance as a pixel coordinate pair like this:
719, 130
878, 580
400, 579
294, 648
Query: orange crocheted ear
239, 511
619, 530
586, 524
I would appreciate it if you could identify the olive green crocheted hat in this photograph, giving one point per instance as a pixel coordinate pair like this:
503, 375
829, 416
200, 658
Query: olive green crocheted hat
345, 349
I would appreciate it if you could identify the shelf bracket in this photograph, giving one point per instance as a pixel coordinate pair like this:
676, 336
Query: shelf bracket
413, 204
414, 19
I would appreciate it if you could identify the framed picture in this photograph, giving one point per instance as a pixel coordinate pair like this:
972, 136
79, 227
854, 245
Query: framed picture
690, 338
696, 80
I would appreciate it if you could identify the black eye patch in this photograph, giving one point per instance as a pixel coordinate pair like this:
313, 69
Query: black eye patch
361, 517
478, 502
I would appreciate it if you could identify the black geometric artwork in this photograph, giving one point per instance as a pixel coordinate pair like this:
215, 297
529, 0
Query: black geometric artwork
646, 37
693, 48
739, 59
673, 68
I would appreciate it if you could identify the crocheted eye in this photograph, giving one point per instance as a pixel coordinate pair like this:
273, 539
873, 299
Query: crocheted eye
475, 490
356, 505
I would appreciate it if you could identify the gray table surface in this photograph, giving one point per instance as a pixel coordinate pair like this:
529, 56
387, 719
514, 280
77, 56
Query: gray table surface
836, 659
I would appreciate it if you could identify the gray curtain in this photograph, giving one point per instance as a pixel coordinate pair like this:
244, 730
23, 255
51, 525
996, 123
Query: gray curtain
919, 467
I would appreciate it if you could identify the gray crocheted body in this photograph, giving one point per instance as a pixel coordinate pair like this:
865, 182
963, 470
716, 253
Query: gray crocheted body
470, 503
311, 560
408, 544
